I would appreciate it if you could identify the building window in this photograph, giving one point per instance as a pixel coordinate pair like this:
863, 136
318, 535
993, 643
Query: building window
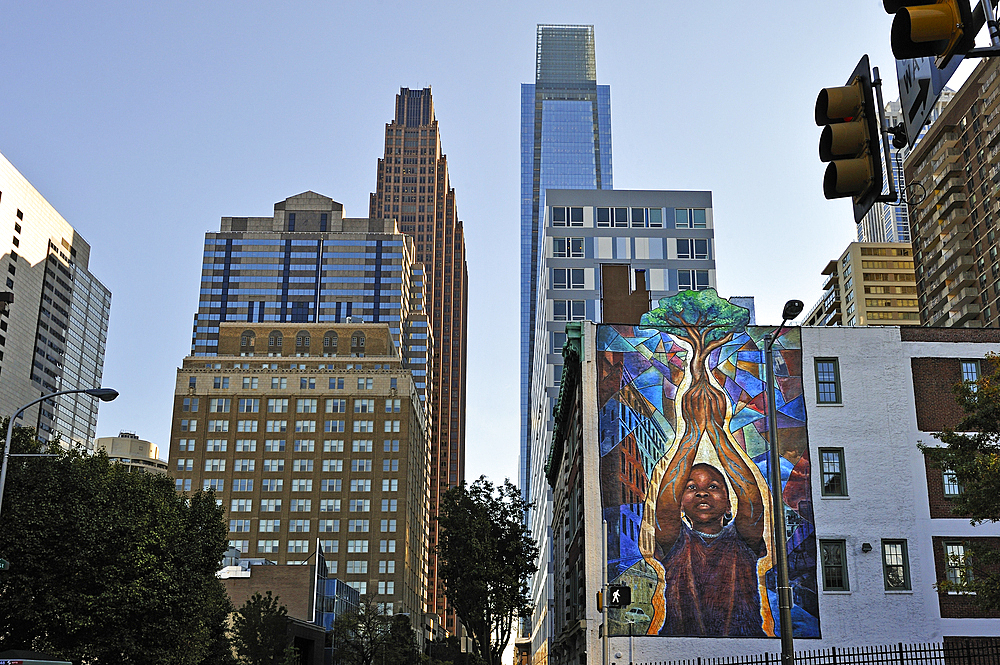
690, 218
827, 381
970, 373
952, 487
569, 310
895, 566
567, 248
568, 278
833, 554
562, 216
957, 570
692, 280
692, 248
834, 473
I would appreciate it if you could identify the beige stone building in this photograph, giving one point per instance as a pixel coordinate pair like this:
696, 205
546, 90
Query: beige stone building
871, 284
312, 433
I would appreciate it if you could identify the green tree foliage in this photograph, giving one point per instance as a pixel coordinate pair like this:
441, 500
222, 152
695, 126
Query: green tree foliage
260, 632
361, 635
973, 455
486, 557
699, 316
108, 566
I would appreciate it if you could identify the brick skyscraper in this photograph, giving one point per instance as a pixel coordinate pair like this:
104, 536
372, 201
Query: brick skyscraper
413, 187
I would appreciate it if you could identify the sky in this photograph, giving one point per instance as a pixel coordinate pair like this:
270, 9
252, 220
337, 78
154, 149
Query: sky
144, 123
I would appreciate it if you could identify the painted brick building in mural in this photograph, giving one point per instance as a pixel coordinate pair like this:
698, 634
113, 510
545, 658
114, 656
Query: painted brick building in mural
869, 526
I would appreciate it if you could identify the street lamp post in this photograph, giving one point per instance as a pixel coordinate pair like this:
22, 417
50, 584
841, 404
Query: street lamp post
792, 309
103, 394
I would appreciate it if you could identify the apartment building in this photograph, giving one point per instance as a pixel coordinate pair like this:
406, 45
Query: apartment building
871, 284
312, 432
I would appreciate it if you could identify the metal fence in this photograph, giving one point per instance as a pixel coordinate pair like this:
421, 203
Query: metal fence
980, 651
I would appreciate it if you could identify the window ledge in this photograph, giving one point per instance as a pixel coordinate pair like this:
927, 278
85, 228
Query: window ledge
828, 404
899, 592
834, 497
837, 593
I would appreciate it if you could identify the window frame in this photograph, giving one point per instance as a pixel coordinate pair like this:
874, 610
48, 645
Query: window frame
905, 564
838, 394
842, 473
842, 546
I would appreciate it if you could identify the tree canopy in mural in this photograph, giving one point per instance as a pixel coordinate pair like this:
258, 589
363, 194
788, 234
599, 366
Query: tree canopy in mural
700, 315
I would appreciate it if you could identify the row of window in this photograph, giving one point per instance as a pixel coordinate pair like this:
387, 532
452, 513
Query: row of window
687, 248
300, 445
281, 383
895, 565
300, 426
684, 218
278, 465
305, 506
828, 378
298, 485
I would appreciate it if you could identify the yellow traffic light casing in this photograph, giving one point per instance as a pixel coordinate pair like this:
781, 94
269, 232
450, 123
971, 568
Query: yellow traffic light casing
600, 601
926, 29
850, 141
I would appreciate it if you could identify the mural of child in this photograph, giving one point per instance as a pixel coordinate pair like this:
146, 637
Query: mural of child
710, 558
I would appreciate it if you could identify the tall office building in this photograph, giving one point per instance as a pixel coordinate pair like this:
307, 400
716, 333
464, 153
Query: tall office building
312, 435
888, 222
413, 187
309, 328
565, 144
309, 264
953, 172
53, 336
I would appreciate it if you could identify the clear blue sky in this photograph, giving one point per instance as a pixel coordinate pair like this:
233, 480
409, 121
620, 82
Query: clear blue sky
143, 123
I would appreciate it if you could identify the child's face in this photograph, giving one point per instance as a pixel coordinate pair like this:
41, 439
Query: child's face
705, 499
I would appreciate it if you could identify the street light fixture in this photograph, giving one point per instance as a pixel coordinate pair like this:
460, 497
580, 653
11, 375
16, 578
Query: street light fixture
792, 309
103, 394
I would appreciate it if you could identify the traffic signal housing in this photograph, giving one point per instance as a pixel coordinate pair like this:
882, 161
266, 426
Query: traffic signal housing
920, 29
850, 141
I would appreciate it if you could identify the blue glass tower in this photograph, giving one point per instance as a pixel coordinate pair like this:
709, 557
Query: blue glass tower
565, 144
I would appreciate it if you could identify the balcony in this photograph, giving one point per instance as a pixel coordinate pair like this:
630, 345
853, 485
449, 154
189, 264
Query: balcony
957, 216
957, 234
948, 204
964, 297
963, 316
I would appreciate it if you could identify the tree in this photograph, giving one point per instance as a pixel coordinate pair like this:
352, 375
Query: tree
260, 632
486, 557
973, 456
361, 635
108, 566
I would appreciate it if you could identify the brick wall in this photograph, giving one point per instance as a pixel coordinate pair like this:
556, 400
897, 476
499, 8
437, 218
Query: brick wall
954, 605
921, 334
293, 585
933, 379
940, 505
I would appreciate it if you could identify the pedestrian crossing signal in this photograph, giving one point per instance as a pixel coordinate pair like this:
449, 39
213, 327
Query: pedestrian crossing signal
619, 596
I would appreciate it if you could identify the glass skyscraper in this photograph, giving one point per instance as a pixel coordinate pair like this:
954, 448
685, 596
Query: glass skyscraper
565, 144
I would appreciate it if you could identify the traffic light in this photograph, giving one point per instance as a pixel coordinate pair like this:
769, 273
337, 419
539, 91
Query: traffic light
850, 141
920, 29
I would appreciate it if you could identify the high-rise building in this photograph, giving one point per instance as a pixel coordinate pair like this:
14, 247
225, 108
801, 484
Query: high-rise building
596, 244
53, 336
565, 144
312, 432
413, 187
310, 264
871, 284
890, 222
953, 175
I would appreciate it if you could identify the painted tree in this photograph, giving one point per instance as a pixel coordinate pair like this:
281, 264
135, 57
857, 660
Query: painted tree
706, 322
487, 557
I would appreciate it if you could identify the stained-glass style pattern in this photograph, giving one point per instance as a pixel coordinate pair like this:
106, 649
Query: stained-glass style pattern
684, 442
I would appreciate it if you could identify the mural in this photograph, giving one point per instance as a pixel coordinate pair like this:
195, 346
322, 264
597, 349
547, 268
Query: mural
684, 472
